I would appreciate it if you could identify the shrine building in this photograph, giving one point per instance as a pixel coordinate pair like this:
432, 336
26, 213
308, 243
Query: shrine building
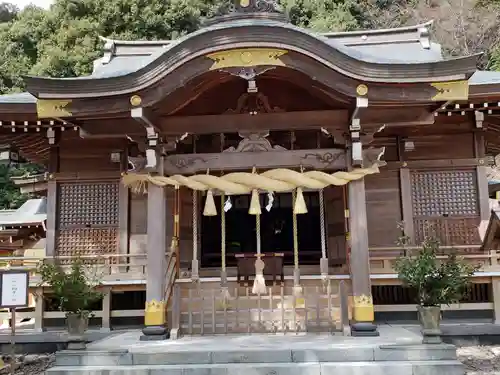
254, 176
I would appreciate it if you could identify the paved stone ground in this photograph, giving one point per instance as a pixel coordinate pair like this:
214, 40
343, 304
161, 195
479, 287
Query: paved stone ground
477, 359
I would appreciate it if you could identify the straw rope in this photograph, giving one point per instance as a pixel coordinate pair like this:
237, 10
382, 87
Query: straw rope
275, 180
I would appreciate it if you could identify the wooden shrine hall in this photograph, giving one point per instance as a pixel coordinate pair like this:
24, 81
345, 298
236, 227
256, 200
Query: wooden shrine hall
264, 172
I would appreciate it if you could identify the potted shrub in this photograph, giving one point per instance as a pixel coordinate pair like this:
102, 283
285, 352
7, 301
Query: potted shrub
75, 291
434, 281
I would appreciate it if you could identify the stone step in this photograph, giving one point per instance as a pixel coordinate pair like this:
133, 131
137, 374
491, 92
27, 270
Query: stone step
383, 353
450, 367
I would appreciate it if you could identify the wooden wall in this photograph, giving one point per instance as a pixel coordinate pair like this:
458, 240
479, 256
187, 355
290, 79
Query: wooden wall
383, 206
88, 155
452, 191
383, 196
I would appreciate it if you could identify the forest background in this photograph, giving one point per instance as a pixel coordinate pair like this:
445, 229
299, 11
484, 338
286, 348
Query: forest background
63, 41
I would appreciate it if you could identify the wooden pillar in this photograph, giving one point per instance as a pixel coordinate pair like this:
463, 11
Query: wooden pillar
52, 193
123, 212
406, 203
495, 283
39, 310
481, 171
363, 312
155, 311
106, 310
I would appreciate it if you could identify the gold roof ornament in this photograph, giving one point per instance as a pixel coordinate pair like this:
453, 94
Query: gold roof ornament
456, 90
48, 108
362, 90
135, 100
246, 58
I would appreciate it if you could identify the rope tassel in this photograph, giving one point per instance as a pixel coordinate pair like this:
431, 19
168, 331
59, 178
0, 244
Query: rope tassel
255, 204
297, 289
223, 274
210, 209
259, 283
300, 203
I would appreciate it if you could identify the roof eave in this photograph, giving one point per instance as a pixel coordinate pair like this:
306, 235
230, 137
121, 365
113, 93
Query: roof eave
335, 56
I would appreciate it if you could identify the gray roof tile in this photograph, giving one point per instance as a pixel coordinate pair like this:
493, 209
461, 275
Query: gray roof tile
33, 211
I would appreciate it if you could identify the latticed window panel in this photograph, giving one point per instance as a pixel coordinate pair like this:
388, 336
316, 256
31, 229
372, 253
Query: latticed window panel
87, 241
88, 204
450, 231
444, 193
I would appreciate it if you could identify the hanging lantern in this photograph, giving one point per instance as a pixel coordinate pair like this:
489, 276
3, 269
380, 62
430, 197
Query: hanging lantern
210, 209
300, 204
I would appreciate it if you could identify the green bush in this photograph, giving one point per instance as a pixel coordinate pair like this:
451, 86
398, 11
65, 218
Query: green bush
74, 290
435, 281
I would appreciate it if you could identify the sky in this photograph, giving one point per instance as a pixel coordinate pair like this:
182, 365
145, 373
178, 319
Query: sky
22, 3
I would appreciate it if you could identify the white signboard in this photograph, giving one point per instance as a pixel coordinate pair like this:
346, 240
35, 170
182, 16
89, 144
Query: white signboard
14, 289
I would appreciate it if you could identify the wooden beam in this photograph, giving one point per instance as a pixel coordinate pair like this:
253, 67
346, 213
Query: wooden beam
318, 159
232, 123
146, 118
409, 116
228, 123
443, 163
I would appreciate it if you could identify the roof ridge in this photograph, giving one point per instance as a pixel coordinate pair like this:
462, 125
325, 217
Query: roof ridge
327, 34
134, 42
379, 31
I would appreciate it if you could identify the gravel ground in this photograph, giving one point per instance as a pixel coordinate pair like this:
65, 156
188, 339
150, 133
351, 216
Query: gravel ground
33, 364
478, 360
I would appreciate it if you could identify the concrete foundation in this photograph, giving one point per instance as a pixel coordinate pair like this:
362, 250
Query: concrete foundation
397, 351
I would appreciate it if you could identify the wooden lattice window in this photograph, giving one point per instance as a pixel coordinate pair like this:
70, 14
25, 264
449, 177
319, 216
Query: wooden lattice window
87, 241
445, 206
444, 193
87, 218
88, 204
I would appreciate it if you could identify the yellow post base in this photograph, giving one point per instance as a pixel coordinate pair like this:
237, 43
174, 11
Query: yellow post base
363, 309
155, 313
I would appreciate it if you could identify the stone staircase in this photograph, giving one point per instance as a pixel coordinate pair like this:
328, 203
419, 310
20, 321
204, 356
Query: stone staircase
262, 355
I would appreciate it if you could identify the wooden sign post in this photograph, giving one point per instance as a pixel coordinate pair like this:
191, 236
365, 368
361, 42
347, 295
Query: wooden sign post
14, 293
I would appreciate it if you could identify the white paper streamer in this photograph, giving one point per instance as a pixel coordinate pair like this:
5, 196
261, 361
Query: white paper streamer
227, 204
270, 201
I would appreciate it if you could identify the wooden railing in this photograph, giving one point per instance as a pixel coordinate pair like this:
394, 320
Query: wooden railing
108, 267
384, 263
202, 308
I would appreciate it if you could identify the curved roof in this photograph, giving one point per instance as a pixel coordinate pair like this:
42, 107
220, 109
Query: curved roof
364, 60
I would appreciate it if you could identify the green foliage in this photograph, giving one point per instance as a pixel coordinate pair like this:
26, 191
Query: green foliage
435, 281
75, 291
10, 196
64, 41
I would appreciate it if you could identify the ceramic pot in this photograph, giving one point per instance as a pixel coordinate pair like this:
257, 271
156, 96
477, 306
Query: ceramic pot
430, 321
77, 325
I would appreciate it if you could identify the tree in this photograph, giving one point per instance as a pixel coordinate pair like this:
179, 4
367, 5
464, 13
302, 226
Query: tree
63, 41
10, 196
462, 27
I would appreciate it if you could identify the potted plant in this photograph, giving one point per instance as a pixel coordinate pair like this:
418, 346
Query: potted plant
434, 281
75, 291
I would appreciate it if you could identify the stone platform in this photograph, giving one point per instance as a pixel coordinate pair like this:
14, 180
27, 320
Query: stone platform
396, 352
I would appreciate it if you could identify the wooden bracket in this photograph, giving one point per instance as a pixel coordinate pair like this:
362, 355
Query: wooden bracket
355, 130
